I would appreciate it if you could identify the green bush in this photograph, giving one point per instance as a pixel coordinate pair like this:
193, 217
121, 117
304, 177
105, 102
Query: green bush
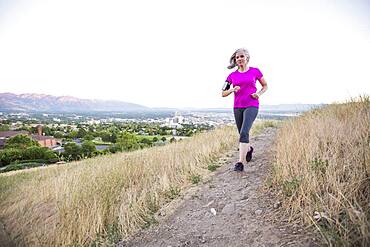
20, 141
88, 148
32, 153
20, 166
72, 151
127, 142
172, 193
213, 167
195, 178
9, 155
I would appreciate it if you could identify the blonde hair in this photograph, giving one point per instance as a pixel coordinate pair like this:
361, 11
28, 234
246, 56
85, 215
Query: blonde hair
232, 58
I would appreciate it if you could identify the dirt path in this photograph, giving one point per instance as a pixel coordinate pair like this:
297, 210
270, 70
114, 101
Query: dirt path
244, 211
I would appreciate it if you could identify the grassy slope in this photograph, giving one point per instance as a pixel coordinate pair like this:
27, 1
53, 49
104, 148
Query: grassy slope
322, 170
104, 197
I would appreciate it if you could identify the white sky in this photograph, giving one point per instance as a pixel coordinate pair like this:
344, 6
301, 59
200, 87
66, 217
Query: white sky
168, 53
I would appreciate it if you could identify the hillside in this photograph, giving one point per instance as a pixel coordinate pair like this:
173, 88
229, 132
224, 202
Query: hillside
322, 171
89, 201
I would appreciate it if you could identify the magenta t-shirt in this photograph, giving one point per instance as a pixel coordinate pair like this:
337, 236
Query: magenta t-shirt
247, 83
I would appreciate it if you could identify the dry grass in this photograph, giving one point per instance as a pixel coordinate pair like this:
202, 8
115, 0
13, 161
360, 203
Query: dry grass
322, 169
100, 200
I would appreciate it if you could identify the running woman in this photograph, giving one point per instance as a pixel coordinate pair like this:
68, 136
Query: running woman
246, 100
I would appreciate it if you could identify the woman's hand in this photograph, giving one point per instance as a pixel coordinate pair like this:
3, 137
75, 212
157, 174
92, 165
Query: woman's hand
236, 89
230, 91
255, 95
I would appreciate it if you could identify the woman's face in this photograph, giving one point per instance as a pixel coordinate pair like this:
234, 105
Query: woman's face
241, 59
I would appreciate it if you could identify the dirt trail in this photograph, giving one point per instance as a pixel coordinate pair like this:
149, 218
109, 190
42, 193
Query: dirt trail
244, 211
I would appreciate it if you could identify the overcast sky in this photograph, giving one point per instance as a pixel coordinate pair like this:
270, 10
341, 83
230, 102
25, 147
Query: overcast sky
169, 53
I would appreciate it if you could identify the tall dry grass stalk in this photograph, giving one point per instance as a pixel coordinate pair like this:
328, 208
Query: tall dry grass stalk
322, 168
100, 200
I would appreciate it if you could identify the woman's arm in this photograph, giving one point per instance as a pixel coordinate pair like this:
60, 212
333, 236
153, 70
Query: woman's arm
263, 89
226, 90
231, 90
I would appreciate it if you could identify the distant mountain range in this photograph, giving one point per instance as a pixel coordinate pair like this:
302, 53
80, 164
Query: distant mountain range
48, 103
10, 102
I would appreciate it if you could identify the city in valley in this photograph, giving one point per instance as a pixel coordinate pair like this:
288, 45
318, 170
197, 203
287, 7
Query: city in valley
38, 139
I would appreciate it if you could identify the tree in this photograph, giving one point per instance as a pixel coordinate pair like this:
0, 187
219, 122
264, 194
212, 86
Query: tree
81, 133
9, 155
88, 137
4, 127
73, 134
88, 148
105, 136
163, 139
155, 139
20, 141
72, 151
47, 131
113, 138
34, 152
58, 135
146, 141
127, 142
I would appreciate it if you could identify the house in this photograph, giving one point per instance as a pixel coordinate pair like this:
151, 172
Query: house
44, 141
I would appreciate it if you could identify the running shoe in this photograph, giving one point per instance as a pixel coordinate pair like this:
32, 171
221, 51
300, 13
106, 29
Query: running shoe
249, 154
239, 167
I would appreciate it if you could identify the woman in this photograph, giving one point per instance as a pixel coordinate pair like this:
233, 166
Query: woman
243, 81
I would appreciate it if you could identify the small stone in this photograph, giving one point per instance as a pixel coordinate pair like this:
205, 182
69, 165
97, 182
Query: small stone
258, 212
319, 215
244, 197
277, 204
244, 177
228, 209
213, 211
209, 204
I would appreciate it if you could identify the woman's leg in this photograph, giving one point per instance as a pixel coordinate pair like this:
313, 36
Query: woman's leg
243, 149
249, 115
239, 116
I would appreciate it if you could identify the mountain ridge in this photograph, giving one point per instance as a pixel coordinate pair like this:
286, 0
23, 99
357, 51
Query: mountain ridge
48, 103
43, 102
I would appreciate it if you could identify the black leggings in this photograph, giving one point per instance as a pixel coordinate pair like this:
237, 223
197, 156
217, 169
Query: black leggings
244, 118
